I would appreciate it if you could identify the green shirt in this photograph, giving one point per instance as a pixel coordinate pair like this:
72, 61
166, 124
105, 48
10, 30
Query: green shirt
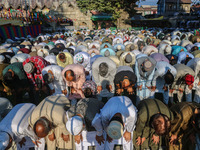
146, 109
18, 70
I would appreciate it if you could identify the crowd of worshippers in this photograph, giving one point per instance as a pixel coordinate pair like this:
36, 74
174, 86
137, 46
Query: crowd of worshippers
101, 88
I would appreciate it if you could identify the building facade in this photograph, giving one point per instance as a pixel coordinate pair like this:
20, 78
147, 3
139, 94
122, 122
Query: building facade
146, 10
69, 9
169, 7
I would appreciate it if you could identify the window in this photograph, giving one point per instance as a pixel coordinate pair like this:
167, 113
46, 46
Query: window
186, 8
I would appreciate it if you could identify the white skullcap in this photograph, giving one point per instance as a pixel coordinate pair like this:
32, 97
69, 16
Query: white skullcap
40, 53
4, 140
79, 58
118, 41
9, 50
65, 50
19, 52
147, 65
29, 67
27, 47
115, 130
74, 125
119, 47
18, 47
29, 36
2, 58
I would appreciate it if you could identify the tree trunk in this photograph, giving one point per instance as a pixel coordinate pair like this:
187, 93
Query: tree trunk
118, 23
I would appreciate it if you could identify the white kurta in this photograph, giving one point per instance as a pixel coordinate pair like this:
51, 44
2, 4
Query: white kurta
182, 70
144, 81
58, 84
16, 124
182, 56
118, 104
195, 65
89, 140
19, 58
51, 59
158, 79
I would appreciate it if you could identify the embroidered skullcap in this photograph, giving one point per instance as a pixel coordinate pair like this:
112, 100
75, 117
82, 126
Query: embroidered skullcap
79, 58
115, 130
90, 84
29, 67
128, 58
107, 53
147, 65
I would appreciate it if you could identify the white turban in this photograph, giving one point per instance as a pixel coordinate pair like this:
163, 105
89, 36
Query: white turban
40, 53
119, 47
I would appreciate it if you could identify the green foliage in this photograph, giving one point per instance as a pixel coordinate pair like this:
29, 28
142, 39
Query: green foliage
114, 7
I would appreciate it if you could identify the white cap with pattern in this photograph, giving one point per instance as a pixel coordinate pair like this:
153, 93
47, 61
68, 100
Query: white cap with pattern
115, 130
29, 67
75, 125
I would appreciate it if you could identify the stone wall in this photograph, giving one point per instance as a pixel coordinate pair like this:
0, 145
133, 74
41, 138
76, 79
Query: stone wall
70, 10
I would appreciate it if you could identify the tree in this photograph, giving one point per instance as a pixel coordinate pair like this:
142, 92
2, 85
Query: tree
114, 7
